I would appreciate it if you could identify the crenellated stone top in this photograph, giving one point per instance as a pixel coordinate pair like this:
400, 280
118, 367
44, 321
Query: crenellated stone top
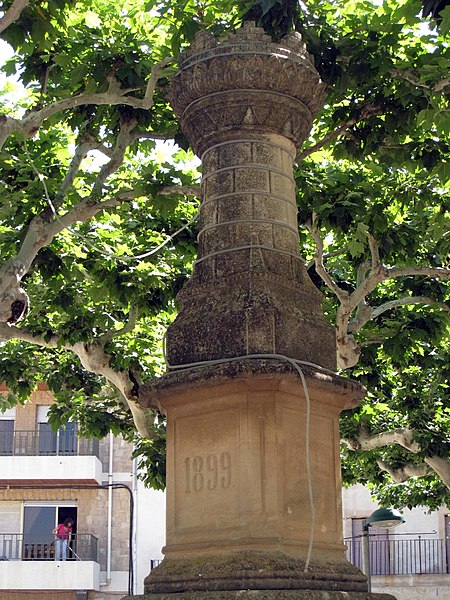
247, 38
221, 76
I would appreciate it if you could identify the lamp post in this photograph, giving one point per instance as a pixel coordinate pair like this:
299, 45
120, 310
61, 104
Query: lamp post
384, 518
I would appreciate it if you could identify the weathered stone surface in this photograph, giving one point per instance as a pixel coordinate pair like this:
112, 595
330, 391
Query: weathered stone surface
247, 104
245, 82
239, 512
252, 571
343, 392
257, 314
264, 595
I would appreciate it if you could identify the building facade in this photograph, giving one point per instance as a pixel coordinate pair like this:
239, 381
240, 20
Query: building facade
411, 561
47, 477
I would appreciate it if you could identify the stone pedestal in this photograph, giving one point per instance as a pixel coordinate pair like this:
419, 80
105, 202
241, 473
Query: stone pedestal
242, 508
264, 595
253, 473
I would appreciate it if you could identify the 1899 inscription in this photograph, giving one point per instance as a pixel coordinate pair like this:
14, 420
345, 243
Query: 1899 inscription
208, 472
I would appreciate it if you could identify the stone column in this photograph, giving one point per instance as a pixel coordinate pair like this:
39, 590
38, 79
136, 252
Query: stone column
246, 105
252, 402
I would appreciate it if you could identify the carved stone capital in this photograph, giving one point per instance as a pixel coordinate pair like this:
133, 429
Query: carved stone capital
247, 82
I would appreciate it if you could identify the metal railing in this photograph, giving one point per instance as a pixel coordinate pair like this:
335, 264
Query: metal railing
18, 546
416, 556
154, 562
36, 443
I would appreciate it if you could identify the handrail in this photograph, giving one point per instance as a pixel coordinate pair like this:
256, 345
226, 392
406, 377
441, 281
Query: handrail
19, 546
64, 442
416, 556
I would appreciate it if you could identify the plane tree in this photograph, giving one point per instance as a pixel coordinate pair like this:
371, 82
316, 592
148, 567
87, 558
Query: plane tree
100, 196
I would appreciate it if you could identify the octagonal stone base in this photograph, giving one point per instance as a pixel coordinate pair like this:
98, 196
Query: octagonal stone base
252, 570
265, 595
238, 509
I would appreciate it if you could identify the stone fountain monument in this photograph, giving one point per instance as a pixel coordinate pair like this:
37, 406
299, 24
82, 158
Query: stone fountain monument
251, 397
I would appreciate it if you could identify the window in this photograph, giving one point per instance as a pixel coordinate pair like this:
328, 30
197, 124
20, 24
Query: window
6, 436
7, 431
38, 523
63, 441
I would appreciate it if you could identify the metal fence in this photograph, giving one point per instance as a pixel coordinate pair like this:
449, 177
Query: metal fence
417, 556
18, 546
47, 443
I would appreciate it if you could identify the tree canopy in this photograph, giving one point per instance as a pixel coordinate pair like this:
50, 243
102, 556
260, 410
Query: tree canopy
101, 192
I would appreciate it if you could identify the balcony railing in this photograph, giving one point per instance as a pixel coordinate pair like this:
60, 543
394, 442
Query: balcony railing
18, 546
154, 562
417, 556
47, 443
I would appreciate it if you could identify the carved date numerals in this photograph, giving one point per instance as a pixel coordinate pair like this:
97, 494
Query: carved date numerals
208, 473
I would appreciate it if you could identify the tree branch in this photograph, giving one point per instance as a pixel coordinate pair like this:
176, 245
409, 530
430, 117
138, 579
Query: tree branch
94, 359
407, 76
439, 272
81, 151
440, 85
318, 257
376, 275
348, 351
129, 326
151, 135
441, 466
400, 475
30, 123
40, 233
13, 13
45, 226
184, 190
326, 255
123, 140
401, 437
374, 340
376, 312
153, 80
368, 111
368, 313
15, 333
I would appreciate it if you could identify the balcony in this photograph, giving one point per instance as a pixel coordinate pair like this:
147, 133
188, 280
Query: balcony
19, 546
46, 457
414, 556
27, 562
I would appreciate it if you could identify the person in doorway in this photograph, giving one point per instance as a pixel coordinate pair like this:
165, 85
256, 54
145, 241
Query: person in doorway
62, 533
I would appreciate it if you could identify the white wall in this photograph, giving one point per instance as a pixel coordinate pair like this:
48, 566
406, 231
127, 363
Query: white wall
45, 575
423, 587
65, 468
151, 530
357, 503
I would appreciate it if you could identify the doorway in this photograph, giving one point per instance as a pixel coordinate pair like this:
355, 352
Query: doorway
39, 521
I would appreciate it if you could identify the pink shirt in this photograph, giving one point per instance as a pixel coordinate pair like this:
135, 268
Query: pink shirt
63, 532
